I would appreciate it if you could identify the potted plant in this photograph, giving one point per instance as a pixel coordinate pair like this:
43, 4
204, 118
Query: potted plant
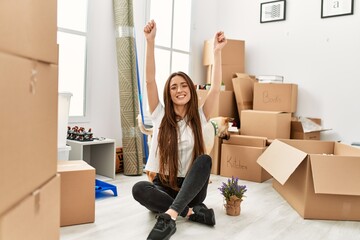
233, 195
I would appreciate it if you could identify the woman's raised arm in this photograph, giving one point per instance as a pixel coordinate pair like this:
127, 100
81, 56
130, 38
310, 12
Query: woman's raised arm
214, 92
151, 86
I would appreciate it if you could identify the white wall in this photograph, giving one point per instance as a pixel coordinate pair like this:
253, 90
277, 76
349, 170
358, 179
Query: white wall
204, 25
320, 55
102, 69
104, 112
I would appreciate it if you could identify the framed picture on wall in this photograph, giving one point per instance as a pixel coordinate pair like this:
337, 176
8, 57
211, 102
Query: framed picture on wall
272, 11
336, 8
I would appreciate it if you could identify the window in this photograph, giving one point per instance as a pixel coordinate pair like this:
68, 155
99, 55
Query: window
172, 50
72, 28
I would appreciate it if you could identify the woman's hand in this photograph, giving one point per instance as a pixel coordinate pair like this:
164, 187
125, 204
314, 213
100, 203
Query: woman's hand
219, 41
150, 30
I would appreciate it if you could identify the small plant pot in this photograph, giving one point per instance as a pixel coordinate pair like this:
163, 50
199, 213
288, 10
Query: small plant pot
233, 206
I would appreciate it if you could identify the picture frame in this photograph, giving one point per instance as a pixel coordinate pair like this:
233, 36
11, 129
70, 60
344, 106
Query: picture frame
336, 8
273, 11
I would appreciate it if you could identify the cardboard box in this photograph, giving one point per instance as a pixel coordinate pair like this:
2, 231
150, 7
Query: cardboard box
280, 97
215, 155
226, 106
29, 29
243, 85
233, 53
29, 93
267, 124
239, 157
119, 165
319, 179
77, 192
302, 128
36, 217
232, 60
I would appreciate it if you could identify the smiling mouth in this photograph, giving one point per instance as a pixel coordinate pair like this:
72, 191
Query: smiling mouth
181, 96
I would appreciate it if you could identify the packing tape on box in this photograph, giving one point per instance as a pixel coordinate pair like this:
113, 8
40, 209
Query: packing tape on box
37, 196
33, 79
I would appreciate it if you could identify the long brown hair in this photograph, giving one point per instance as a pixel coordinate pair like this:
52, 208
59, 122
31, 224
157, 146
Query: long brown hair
168, 133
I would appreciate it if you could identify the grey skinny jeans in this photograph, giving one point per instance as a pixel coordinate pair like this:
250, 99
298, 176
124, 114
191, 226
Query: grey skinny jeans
193, 189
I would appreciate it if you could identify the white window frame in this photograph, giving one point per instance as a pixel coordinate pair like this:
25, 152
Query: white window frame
86, 108
171, 49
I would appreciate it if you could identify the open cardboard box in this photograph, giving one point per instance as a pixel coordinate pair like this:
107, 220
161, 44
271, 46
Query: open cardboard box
306, 128
319, 179
243, 85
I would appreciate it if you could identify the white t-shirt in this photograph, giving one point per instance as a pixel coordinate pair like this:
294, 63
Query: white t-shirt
185, 142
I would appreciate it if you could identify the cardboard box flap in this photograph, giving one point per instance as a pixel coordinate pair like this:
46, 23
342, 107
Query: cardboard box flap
243, 86
251, 141
334, 174
264, 112
281, 160
296, 126
311, 146
207, 57
244, 75
346, 150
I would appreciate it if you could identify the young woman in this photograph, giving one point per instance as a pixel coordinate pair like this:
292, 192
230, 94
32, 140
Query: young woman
177, 148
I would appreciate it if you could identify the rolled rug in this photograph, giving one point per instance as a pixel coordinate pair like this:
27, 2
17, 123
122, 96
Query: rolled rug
128, 87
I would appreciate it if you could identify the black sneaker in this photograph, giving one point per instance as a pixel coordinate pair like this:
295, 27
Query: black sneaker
163, 229
202, 214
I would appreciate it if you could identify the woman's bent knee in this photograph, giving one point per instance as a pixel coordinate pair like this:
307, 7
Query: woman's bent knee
206, 160
139, 189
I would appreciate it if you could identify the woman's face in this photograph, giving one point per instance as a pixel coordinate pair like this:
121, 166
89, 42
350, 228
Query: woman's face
179, 91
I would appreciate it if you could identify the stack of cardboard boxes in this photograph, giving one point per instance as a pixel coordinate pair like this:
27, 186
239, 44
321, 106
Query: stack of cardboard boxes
268, 118
29, 183
30, 174
264, 112
319, 179
233, 60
